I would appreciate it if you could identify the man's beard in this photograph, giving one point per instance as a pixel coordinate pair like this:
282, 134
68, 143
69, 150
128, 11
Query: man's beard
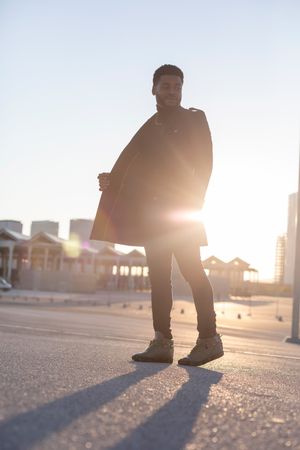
161, 102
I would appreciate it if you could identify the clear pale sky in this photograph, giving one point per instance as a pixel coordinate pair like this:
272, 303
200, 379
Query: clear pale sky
75, 85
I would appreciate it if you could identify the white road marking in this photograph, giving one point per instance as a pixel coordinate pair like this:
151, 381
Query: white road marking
271, 355
121, 338
51, 330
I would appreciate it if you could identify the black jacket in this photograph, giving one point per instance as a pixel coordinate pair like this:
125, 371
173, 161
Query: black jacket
163, 170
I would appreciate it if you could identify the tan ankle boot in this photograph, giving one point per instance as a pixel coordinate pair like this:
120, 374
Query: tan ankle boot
159, 350
205, 350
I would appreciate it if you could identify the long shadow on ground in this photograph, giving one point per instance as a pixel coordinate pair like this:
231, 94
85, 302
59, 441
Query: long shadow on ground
170, 428
25, 430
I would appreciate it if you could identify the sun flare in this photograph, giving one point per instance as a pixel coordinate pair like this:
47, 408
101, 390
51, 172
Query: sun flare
187, 216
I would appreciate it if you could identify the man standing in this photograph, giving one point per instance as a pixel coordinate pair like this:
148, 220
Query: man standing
151, 198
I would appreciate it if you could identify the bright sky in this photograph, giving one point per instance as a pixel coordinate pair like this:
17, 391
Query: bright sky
75, 85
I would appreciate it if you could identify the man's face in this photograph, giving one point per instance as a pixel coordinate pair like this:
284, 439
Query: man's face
168, 90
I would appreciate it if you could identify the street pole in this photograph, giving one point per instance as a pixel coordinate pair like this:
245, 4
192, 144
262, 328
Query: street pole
296, 286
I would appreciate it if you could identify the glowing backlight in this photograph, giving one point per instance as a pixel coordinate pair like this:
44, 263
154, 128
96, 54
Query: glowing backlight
72, 247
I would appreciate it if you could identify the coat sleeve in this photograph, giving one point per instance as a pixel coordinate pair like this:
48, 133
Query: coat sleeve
203, 155
127, 155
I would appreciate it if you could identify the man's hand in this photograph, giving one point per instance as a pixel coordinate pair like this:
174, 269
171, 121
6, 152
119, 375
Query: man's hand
103, 180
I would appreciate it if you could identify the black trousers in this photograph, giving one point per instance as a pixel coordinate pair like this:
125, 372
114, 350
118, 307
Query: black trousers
159, 260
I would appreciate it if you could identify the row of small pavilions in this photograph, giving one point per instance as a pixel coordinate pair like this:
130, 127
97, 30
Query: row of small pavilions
47, 262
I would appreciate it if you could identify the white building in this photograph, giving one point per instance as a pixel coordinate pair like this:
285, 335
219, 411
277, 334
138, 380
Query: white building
49, 263
291, 239
80, 229
47, 226
14, 225
280, 259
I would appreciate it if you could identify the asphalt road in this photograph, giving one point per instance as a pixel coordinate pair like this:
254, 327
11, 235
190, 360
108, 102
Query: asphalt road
67, 382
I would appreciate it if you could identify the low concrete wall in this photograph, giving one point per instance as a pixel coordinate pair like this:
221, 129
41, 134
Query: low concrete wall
60, 281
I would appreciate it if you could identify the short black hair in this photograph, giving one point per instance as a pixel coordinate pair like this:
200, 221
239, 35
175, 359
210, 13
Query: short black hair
167, 69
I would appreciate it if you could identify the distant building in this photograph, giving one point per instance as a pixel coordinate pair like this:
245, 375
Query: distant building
13, 225
291, 239
280, 259
48, 263
47, 226
81, 229
227, 278
237, 272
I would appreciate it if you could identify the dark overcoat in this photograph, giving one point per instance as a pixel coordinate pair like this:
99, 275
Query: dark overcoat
158, 179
